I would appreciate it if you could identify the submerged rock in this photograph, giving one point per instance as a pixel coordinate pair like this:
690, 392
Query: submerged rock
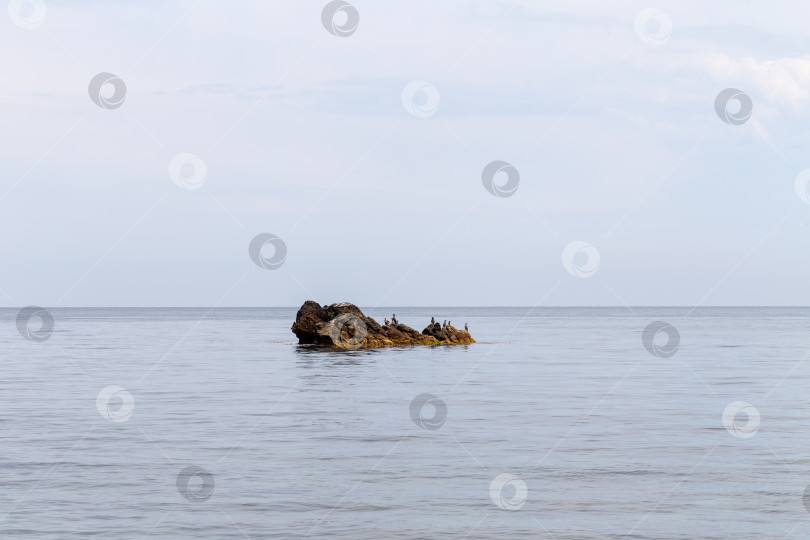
344, 326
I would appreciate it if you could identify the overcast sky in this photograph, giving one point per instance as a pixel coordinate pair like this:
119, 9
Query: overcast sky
373, 182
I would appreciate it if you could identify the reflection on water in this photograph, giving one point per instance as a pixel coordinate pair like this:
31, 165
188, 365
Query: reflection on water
318, 357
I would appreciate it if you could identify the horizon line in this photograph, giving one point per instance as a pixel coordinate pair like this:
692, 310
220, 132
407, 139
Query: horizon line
684, 306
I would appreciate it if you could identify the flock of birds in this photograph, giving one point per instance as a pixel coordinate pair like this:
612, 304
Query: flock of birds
445, 324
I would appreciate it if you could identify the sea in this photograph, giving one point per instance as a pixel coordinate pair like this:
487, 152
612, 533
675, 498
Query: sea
559, 423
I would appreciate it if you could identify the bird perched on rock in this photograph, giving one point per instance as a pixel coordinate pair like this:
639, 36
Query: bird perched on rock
385, 321
432, 321
444, 324
449, 324
465, 327
394, 318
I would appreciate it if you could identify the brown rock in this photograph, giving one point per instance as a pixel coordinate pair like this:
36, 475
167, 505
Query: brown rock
344, 326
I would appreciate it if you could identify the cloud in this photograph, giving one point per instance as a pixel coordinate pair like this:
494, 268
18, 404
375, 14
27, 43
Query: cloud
783, 82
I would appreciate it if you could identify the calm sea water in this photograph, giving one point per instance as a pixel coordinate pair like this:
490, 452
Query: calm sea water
609, 440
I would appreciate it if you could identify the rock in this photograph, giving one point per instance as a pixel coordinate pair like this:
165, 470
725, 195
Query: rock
344, 326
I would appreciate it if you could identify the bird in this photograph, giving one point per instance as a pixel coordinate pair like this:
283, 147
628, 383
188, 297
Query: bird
444, 324
449, 324
432, 321
394, 318
465, 327
385, 321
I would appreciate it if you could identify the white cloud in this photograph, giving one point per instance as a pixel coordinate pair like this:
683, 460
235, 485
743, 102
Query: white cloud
784, 81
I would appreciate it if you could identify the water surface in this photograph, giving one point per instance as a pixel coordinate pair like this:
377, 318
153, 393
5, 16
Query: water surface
609, 440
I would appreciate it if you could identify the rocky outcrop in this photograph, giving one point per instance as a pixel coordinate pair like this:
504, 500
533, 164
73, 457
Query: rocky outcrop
344, 326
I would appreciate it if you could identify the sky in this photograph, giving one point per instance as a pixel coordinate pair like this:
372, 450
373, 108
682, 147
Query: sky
362, 152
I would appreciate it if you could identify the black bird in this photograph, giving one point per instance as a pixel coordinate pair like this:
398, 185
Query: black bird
465, 327
444, 324
432, 321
